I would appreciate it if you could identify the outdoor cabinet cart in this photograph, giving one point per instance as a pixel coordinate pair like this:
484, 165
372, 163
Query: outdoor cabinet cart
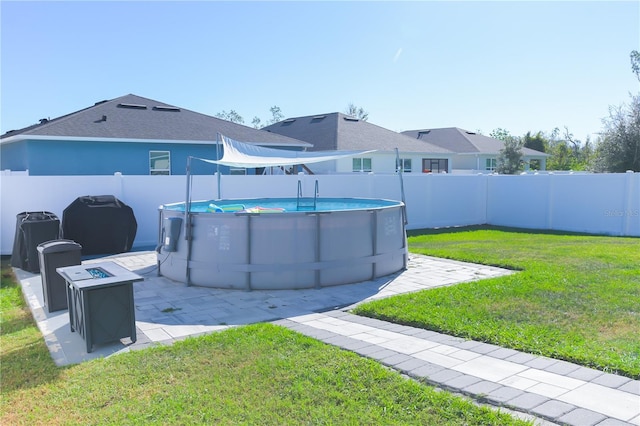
100, 299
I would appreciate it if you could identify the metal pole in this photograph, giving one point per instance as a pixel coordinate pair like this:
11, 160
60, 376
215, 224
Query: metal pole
374, 242
318, 253
218, 164
248, 276
187, 221
187, 202
160, 240
399, 171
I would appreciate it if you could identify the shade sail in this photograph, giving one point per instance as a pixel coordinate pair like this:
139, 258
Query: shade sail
239, 154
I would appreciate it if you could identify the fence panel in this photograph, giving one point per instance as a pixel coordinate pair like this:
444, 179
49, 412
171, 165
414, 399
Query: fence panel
518, 201
596, 203
593, 203
440, 200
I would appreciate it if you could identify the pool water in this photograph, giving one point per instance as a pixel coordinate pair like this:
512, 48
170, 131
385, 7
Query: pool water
271, 205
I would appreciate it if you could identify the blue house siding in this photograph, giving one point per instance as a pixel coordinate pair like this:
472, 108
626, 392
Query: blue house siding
14, 157
70, 158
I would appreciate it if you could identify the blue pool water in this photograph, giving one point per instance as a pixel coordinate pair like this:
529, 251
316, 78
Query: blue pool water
271, 205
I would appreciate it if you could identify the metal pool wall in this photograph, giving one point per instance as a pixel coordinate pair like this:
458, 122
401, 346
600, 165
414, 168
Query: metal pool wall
292, 250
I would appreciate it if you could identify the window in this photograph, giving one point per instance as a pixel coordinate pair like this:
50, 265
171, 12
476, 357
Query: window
404, 164
491, 164
159, 163
435, 165
362, 165
237, 171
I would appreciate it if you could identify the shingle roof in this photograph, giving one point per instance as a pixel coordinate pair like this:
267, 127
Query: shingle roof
463, 141
135, 117
337, 131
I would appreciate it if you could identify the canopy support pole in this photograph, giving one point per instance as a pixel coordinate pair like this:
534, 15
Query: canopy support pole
187, 221
218, 164
399, 168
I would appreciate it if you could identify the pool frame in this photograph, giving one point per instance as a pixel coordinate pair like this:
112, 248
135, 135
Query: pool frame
289, 250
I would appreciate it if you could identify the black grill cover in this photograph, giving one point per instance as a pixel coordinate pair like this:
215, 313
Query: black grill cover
32, 228
101, 224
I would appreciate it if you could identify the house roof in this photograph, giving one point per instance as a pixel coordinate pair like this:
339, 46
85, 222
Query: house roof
337, 131
133, 117
463, 141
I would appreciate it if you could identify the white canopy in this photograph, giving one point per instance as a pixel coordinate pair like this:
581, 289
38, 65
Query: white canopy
239, 154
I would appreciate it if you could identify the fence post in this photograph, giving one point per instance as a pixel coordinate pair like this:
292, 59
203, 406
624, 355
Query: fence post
428, 217
486, 198
118, 186
629, 212
550, 195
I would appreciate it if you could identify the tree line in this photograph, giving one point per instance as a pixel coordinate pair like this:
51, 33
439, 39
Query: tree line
616, 150
566, 152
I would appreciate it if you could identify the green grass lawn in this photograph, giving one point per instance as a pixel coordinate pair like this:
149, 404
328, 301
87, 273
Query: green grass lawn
259, 374
575, 297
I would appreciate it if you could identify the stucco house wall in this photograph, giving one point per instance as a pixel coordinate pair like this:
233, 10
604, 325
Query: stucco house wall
14, 157
385, 162
472, 150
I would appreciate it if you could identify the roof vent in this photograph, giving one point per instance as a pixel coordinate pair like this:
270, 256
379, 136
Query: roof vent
470, 133
289, 120
318, 117
423, 133
44, 120
166, 108
350, 118
132, 106
100, 102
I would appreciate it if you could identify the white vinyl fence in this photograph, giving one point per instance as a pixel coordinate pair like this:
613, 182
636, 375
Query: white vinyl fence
592, 203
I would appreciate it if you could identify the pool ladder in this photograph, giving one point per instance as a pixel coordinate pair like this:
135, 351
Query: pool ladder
307, 203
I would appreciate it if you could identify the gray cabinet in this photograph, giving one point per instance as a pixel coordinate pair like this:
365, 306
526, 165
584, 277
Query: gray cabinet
100, 299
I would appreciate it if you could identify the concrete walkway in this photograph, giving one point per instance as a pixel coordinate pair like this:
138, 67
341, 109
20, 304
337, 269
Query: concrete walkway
167, 311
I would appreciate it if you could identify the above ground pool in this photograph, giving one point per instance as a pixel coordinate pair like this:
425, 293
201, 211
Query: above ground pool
281, 243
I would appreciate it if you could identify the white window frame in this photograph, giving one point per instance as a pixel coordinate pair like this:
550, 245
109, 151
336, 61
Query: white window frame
155, 156
237, 171
359, 166
490, 164
404, 164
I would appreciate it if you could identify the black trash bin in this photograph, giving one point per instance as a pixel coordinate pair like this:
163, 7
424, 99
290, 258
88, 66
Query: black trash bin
32, 228
56, 254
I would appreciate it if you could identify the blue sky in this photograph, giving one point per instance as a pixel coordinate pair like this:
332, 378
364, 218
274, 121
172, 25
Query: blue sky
476, 65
